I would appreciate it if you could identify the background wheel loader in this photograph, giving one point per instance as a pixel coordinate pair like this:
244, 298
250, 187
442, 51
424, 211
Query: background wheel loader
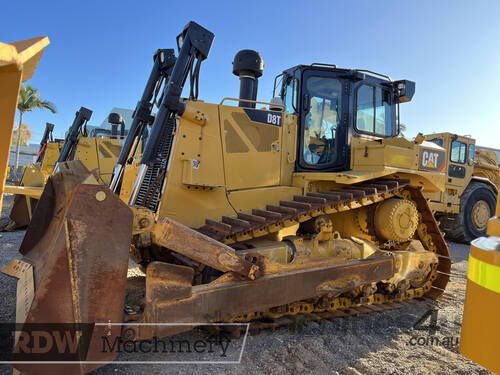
308, 206
471, 190
98, 150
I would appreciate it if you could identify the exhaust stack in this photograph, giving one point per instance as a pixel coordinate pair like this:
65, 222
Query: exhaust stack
248, 65
116, 119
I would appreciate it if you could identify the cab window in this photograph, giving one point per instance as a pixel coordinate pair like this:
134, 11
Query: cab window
322, 119
438, 141
470, 154
374, 111
291, 96
458, 151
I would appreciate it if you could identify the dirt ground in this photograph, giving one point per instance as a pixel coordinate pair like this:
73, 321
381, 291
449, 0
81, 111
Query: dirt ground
379, 343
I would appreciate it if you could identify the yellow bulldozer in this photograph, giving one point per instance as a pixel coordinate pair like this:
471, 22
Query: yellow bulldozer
471, 190
307, 205
98, 149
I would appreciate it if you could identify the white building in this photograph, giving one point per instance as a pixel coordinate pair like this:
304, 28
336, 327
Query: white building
124, 112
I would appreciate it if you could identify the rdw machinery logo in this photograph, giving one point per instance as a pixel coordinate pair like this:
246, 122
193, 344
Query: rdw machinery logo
45, 342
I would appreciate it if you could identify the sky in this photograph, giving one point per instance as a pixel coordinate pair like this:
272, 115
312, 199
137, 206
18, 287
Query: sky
101, 52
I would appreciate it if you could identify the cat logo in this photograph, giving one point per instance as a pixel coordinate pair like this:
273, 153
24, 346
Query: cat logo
432, 159
429, 159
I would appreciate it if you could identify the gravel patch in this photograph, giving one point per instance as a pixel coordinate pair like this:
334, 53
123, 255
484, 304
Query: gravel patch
379, 343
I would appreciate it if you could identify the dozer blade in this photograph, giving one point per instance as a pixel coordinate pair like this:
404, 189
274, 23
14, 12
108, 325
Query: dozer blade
78, 244
25, 200
21, 212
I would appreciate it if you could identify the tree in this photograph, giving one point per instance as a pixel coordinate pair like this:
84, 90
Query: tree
25, 135
29, 99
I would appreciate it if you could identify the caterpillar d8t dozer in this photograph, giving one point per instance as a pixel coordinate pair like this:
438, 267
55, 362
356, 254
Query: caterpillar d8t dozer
310, 205
98, 150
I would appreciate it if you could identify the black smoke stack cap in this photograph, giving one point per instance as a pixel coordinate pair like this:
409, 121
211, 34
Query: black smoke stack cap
249, 66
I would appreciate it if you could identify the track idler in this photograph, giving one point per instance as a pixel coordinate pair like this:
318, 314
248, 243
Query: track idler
78, 247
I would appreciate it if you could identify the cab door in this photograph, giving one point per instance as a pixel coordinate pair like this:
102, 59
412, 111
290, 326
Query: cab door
458, 171
323, 122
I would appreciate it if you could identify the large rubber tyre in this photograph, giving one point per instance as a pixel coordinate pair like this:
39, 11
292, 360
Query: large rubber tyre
464, 227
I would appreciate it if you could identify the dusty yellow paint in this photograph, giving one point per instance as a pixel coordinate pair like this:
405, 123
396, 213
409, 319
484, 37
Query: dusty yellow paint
202, 144
129, 177
396, 153
36, 175
18, 62
289, 154
307, 180
222, 163
29, 191
99, 153
50, 157
250, 149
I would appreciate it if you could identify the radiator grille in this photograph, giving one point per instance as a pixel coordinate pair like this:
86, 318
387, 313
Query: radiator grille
149, 192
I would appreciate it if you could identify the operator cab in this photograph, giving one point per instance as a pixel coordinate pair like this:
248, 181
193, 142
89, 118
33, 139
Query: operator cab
333, 105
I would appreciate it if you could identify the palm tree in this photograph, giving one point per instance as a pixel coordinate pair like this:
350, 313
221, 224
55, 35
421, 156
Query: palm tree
29, 99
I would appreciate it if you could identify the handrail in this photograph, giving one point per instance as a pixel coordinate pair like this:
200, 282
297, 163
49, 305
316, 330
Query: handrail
375, 73
255, 101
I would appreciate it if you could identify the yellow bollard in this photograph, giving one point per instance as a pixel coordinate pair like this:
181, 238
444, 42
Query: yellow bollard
481, 320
